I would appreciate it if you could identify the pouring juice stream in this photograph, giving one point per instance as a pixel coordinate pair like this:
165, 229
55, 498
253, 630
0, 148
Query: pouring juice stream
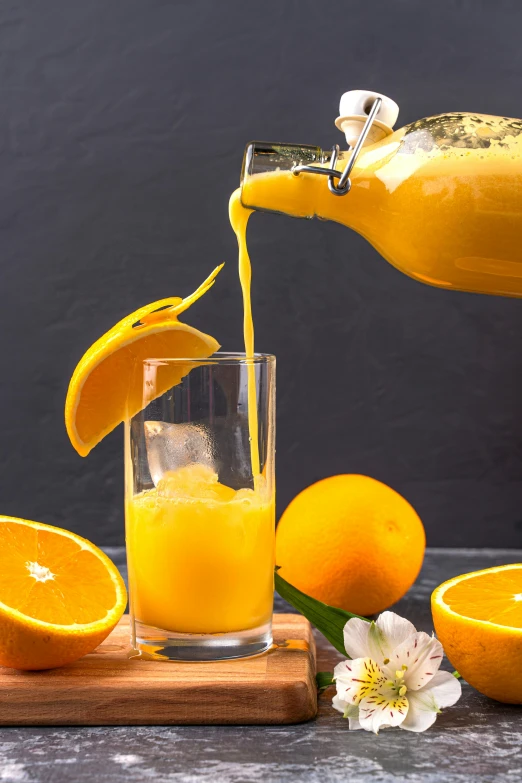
238, 220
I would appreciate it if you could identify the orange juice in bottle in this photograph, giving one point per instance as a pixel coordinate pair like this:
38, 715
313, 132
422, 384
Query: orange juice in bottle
440, 199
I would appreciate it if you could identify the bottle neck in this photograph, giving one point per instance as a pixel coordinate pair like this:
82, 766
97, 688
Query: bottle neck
269, 182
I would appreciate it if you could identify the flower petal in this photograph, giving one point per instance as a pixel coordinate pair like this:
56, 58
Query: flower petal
356, 679
395, 630
382, 709
376, 640
419, 657
339, 704
419, 717
356, 641
349, 711
444, 689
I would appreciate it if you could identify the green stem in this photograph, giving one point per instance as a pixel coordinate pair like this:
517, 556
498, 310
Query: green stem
329, 620
324, 680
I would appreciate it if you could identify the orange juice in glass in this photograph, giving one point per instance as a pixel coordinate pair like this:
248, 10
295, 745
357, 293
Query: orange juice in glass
199, 521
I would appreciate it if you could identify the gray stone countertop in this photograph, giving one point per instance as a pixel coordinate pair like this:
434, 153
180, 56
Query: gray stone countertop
477, 740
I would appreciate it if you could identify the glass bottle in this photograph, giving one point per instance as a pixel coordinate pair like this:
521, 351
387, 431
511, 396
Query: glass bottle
440, 199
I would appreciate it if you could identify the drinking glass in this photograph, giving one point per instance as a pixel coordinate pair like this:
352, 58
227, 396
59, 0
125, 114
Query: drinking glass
200, 521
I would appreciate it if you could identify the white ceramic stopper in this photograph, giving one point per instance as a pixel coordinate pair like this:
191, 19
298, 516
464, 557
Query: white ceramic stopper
354, 108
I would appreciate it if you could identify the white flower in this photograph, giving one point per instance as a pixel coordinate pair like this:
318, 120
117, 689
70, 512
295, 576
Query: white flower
394, 677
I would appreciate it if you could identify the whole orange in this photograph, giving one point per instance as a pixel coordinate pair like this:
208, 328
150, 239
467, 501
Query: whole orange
351, 542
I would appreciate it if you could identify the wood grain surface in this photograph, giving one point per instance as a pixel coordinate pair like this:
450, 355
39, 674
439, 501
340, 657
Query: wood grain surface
108, 687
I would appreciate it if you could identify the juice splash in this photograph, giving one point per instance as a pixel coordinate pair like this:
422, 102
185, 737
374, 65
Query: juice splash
201, 555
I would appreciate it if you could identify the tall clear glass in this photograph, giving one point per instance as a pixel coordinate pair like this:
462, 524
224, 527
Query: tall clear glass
199, 525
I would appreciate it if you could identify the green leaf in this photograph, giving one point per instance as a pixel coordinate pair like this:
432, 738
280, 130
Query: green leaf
324, 680
456, 674
327, 619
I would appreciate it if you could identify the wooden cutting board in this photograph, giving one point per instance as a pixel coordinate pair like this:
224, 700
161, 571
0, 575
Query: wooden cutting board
108, 687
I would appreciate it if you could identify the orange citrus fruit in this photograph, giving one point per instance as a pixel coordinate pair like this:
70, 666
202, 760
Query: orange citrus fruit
106, 387
351, 542
478, 619
60, 596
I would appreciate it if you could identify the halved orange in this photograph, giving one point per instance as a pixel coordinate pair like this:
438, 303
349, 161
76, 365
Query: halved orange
106, 387
478, 619
60, 596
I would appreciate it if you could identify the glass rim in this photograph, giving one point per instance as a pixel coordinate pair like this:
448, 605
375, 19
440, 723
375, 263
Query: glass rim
220, 357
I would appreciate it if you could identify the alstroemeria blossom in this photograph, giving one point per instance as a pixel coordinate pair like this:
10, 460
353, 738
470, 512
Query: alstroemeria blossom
393, 678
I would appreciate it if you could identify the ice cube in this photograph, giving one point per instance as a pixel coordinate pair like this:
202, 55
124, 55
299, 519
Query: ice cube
173, 446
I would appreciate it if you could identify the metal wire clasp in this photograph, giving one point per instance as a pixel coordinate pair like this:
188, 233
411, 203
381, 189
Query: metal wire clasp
343, 186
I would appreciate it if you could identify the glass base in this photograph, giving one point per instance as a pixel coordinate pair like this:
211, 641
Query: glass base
156, 644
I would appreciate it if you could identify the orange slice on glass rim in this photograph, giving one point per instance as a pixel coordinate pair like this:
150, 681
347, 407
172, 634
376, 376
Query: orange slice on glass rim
106, 387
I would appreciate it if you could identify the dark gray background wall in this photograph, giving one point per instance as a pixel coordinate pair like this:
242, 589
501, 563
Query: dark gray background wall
122, 126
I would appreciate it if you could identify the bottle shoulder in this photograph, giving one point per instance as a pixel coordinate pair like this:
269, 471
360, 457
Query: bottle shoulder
458, 130
445, 145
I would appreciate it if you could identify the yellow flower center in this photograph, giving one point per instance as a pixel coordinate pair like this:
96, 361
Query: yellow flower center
398, 683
